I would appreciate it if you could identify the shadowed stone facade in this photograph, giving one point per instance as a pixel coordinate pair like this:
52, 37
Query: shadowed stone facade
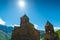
49, 32
25, 31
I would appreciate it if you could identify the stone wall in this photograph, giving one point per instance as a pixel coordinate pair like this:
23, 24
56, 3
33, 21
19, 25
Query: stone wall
26, 31
49, 32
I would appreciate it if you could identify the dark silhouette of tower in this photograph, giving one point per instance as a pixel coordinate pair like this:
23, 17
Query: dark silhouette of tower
49, 27
25, 31
49, 32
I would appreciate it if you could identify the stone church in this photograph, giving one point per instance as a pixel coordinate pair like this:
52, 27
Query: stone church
49, 32
25, 31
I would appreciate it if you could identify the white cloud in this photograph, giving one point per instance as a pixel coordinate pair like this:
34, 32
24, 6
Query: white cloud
36, 26
16, 25
56, 28
2, 22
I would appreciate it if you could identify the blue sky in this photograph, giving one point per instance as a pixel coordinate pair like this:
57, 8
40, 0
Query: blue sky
39, 11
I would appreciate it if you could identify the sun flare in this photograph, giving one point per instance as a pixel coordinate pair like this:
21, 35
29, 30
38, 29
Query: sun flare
21, 4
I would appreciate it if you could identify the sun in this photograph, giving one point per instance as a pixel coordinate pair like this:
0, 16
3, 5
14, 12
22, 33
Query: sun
21, 3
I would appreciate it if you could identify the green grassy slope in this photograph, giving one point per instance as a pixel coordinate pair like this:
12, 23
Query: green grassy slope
3, 36
58, 31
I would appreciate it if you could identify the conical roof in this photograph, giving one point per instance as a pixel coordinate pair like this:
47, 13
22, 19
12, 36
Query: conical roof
48, 24
25, 16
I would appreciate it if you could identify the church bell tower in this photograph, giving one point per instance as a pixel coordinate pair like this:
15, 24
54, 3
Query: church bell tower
24, 19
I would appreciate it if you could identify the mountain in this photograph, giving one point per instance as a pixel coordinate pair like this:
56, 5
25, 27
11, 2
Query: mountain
6, 29
5, 32
41, 33
4, 36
